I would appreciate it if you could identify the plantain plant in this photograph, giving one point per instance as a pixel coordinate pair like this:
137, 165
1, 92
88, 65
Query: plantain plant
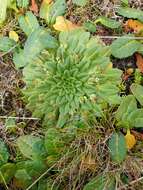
69, 77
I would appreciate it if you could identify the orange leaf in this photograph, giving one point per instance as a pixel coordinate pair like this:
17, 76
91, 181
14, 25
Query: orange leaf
63, 24
139, 62
129, 71
134, 25
138, 135
127, 74
34, 6
130, 140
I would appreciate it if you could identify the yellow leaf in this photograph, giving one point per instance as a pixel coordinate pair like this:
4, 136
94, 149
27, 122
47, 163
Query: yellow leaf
110, 66
139, 62
13, 35
130, 140
130, 71
47, 1
63, 24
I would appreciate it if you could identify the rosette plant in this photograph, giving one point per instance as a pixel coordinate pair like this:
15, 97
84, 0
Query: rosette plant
74, 76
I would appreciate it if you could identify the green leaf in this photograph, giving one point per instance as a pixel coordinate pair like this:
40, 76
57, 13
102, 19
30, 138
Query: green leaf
109, 93
33, 168
100, 183
109, 23
117, 146
137, 91
49, 12
23, 175
27, 171
53, 142
4, 154
131, 13
140, 50
36, 42
124, 47
7, 172
125, 2
6, 44
136, 118
31, 147
23, 3
3, 7
128, 104
19, 59
90, 26
80, 2
28, 23
10, 124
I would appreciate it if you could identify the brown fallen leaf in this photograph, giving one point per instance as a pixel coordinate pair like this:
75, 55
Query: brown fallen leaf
134, 25
138, 135
127, 74
63, 24
139, 62
34, 6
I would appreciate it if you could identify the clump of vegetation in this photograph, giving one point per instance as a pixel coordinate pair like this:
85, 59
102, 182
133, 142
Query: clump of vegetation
72, 78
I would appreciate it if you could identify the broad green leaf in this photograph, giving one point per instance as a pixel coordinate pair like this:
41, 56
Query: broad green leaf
13, 5
101, 183
137, 91
91, 27
7, 172
4, 154
45, 9
131, 13
10, 125
27, 171
31, 147
140, 50
19, 59
3, 7
125, 2
49, 12
117, 146
53, 142
109, 23
124, 47
80, 2
23, 178
32, 167
23, 3
37, 41
28, 23
6, 44
136, 118
22, 174
128, 104
139, 122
